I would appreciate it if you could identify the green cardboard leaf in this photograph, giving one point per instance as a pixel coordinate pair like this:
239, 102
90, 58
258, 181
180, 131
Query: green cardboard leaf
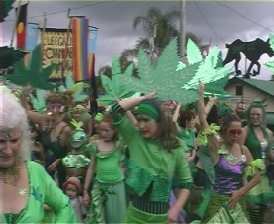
116, 68
193, 52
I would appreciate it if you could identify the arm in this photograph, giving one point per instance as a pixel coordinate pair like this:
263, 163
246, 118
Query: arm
58, 201
213, 144
88, 179
176, 112
174, 211
132, 102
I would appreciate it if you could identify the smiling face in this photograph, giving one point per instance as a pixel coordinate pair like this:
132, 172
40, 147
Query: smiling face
147, 126
256, 116
10, 143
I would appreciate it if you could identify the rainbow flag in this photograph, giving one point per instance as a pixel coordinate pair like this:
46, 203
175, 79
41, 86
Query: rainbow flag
80, 48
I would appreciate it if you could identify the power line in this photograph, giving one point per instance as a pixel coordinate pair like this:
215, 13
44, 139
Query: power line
208, 24
65, 11
243, 16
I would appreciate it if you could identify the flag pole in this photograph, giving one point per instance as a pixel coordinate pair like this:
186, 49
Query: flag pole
63, 65
15, 26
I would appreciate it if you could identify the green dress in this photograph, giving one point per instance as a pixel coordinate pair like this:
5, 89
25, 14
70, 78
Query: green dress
43, 190
150, 173
108, 195
262, 193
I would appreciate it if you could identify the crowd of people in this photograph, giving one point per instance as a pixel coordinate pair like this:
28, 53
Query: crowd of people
140, 160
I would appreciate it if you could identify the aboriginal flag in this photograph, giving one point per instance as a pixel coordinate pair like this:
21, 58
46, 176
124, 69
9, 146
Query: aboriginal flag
21, 26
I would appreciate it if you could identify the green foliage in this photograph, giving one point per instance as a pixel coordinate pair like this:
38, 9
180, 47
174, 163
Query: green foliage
35, 75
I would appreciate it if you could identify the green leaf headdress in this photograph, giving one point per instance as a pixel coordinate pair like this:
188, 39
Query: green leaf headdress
77, 89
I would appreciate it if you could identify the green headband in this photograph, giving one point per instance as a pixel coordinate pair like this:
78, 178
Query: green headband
148, 109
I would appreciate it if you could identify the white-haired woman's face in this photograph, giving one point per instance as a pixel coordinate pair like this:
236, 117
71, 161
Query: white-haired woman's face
10, 144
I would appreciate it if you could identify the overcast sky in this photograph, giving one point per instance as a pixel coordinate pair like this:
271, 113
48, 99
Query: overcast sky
222, 22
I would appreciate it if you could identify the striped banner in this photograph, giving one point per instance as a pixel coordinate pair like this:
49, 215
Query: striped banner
80, 48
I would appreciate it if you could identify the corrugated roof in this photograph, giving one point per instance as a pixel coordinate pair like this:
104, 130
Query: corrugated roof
266, 86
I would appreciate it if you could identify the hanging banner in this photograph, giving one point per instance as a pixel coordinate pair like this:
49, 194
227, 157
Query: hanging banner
32, 36
80, 48
55, 51
21, 26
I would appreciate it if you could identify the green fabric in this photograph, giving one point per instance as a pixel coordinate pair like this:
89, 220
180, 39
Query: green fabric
188, 136
213, 129
207, 164
148, 109
253, 144
218, 212
135, 215
107, 165
43, 190
108, 203
161, 166
76, 161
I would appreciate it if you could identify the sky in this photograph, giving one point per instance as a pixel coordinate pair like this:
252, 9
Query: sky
219, 21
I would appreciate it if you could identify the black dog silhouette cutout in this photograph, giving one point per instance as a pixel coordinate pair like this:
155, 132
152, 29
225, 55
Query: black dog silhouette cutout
253, 50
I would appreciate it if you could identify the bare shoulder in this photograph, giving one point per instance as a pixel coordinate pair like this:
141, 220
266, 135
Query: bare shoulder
246, 153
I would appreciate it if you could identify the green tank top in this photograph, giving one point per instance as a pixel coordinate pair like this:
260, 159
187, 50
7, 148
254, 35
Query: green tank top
107, 166
253, 143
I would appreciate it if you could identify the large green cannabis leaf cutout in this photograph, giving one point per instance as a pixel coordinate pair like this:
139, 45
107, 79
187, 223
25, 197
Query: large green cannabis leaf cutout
113, 87
35, 75
8, 56
210, 70
163, 76
270, 64
177, 81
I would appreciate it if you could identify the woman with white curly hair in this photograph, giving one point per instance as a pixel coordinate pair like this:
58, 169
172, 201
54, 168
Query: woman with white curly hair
25, 186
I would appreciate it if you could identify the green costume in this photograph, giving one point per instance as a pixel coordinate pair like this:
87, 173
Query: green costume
42, 190
150, 172
262, 193
108, 193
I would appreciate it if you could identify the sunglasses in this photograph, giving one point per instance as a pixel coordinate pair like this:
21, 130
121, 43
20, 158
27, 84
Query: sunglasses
234, 131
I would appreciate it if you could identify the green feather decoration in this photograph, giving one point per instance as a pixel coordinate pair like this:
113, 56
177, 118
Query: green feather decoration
77, 89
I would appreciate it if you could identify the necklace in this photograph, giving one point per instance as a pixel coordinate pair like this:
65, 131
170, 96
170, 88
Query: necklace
12, 176
229, 156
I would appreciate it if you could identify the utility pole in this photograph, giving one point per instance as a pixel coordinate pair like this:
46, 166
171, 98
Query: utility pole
182, 28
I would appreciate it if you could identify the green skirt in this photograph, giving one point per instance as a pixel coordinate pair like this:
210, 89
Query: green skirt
262, 193
108, 203
135, 216
218, 212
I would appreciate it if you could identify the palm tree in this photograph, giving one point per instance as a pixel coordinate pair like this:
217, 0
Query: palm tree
160, 29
